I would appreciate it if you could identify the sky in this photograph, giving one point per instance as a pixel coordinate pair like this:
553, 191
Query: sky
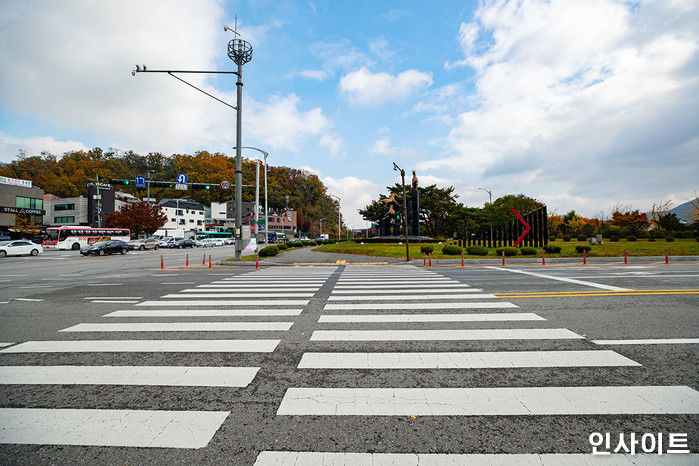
582, 104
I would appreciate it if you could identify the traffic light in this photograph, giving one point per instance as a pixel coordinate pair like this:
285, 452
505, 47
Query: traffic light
207, 186
126, 181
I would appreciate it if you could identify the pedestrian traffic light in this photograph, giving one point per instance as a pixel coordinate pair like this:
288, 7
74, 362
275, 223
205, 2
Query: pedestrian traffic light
126, 181
207, 186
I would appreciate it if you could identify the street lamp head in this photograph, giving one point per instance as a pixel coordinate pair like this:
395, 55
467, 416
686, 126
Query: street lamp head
240, 51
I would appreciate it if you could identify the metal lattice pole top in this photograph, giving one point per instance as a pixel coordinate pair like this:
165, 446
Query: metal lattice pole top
240, 51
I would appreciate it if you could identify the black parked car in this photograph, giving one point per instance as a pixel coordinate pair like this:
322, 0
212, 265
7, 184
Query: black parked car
105, 247
183, 243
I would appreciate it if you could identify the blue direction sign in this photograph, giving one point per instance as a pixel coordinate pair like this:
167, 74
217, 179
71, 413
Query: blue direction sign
182, 178
140, 181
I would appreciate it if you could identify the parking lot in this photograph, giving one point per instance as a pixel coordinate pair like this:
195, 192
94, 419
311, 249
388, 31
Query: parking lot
343, 363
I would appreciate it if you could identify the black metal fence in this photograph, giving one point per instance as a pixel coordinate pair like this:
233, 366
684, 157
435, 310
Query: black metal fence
507, 233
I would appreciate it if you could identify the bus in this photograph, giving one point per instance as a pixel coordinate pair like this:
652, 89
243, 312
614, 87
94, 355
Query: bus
75, 237
200, 235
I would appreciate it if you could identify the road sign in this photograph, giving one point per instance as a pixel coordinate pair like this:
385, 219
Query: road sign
182, 178
526, 228
140, 181
181, 187
225, 184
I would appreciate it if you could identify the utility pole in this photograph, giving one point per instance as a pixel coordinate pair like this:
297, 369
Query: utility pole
339, 217
257, 199
405, 211
148, 172
240, 52
321, 227
490, 197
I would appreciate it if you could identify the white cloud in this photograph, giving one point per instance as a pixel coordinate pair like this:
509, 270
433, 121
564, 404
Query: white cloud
318, 75
382, 146
83, 79
332, 143
364, 87
280, 123
10, 147
575, 100
355, 193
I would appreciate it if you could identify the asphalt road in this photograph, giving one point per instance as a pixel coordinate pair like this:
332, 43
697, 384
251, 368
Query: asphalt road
458, 361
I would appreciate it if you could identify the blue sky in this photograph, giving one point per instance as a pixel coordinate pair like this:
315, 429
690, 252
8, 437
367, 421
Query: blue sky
582, 104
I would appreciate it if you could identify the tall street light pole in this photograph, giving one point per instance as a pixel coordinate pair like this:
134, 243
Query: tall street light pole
405, 211
339, 216
321, 227
490, 197
264, 154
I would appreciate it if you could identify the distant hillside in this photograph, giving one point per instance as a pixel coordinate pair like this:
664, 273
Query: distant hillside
682, 211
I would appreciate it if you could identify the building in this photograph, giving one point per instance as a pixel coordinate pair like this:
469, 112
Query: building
65, 210
283, 221
19, 197
183, 215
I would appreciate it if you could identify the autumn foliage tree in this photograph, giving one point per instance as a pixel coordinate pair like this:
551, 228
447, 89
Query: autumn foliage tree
139, 217
633, 220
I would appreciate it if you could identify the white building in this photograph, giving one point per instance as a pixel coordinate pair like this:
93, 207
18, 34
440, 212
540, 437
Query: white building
183, 215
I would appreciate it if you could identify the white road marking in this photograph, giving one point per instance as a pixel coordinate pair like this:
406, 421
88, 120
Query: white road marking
178, 283
442, 335
450, 289
204, 313
103, 284
386, 306
27, 299
145, 346
412, 298
198, 376
3, 344
561, 279
421, 286
250, 289
181, 327
115, 301
239, 295
295, 458
515, 316
228, 302
649, 341
469, 360
490, 401
393, 280
110, 427
113, 297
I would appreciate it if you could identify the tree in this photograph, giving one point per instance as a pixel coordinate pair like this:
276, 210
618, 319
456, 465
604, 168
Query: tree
658, 210
669, 222
693, 212
23, 224
139, 217
633, 220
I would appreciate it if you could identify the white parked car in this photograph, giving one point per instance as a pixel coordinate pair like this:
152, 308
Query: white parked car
20, 247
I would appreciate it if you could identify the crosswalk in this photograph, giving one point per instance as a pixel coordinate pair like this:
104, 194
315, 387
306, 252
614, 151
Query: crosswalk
392, 311
268, 298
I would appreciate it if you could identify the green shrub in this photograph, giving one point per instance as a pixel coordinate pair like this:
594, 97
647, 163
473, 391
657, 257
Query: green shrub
566, 238
294, 244
306, 243
631, 238
552, 249
582, 238
508, 251
697, 239
528, 251
477, 251
451, 250
658, 233
686, 234
643, 234
379, 239
670, 239
651, 239
614, 238
283, 246
426, 249
582, 248
269, 251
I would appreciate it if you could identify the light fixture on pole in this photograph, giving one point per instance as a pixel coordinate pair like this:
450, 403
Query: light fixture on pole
405, 210
264, 154
490, 197
339, 216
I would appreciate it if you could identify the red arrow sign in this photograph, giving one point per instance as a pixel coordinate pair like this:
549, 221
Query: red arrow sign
526, 227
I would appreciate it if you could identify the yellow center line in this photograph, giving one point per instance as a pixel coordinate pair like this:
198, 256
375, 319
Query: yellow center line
581, 295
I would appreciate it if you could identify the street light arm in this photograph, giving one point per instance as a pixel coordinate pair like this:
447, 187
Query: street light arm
203, 91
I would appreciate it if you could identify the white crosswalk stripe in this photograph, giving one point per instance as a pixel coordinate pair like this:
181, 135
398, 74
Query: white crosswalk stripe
389, 315
270, 297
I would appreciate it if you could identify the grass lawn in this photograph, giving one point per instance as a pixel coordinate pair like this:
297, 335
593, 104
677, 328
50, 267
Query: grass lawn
679, 247
253, 257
